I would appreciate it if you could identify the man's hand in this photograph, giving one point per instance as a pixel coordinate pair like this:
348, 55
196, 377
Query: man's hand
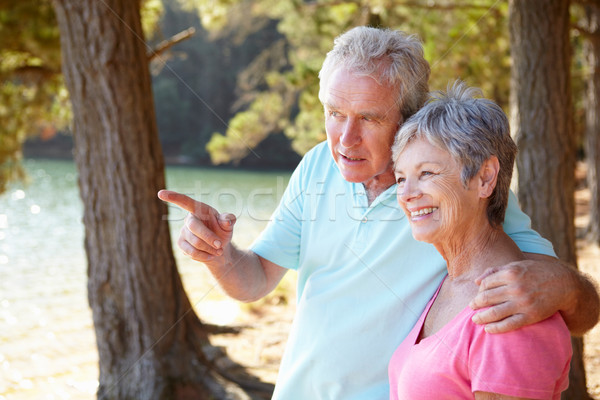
525, 292
206, 237
205, 232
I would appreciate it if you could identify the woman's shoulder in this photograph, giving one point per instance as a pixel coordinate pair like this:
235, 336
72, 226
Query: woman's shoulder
528, 362
550, 334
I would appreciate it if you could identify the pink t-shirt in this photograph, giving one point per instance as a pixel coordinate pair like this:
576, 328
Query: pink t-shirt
461, 358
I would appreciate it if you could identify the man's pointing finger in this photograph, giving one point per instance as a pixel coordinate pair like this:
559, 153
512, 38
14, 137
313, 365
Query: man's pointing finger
180, 200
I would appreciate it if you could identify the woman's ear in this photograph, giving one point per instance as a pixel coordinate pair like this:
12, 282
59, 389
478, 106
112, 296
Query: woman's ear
488, 176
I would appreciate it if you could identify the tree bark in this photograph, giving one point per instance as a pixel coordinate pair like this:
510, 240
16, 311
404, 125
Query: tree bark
592, 120
542, 120
151, 344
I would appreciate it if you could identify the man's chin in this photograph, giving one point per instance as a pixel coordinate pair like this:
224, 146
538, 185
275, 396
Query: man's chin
352, 178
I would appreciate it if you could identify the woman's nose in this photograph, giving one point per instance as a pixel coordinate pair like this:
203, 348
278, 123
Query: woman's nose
407, 191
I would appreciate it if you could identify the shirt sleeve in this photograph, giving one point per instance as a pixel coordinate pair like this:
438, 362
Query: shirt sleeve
531, 362
280, 241
518, 226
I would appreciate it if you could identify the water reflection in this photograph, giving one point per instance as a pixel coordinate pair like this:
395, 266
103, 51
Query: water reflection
47, 345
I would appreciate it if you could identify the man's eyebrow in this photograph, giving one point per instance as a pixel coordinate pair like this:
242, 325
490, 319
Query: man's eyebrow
373, 115
368, 114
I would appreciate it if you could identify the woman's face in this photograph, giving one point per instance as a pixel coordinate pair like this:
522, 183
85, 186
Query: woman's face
432, 194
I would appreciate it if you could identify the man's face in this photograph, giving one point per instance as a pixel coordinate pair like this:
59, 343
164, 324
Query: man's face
361, 120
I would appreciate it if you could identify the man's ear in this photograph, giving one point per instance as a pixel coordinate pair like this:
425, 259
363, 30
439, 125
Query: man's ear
488, 176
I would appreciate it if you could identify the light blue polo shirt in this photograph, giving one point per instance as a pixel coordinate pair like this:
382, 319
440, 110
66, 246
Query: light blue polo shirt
363, 280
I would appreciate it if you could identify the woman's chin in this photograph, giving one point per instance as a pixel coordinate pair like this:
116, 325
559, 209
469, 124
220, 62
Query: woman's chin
423, 237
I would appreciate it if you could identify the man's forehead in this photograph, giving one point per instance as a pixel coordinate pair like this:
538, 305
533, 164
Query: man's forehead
351, 75
342, 99
372, 106
358, 89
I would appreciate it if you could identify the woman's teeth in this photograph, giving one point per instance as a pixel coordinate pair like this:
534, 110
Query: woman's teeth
423, 211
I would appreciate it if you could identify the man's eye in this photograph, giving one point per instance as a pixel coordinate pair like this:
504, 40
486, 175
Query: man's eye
425, 173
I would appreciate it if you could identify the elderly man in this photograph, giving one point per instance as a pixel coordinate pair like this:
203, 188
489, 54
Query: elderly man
363, 280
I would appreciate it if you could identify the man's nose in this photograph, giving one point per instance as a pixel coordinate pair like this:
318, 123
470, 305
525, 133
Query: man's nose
350, 133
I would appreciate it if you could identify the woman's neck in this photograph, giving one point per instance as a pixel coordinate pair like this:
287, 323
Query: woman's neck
478, 248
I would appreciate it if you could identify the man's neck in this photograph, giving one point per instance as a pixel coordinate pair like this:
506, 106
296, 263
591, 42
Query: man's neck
378, 185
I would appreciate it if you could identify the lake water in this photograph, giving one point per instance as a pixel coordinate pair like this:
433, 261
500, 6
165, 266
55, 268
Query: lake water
47, 343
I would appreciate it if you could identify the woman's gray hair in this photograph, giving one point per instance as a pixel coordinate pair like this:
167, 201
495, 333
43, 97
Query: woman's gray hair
390, 57
472, 130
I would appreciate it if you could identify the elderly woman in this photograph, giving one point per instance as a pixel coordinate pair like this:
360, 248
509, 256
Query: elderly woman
453, 165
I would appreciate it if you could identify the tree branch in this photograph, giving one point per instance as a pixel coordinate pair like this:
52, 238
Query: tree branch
32, 74
413, 4
586, 2
583, 31
167, 44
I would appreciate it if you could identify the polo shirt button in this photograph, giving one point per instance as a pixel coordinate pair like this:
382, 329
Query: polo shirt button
365, 219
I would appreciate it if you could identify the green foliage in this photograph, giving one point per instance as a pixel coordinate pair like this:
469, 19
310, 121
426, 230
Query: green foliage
307, 129
254, 74
466, 41
470, 43
198, 88
32, 100
248, 128
150, 13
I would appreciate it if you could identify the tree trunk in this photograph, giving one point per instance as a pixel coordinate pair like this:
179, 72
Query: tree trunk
542, 120
592, 120
151, 344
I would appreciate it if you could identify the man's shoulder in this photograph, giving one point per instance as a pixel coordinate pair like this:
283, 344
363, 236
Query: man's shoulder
318, 155
317, 172
318, 161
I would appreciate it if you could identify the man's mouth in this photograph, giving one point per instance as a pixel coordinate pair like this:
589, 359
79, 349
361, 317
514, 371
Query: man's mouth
351, 158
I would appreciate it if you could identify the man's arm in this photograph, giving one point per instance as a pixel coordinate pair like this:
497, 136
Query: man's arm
206, 237
245, 276
523, 293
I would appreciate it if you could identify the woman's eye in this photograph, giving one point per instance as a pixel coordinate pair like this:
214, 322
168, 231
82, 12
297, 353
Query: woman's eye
400, 180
